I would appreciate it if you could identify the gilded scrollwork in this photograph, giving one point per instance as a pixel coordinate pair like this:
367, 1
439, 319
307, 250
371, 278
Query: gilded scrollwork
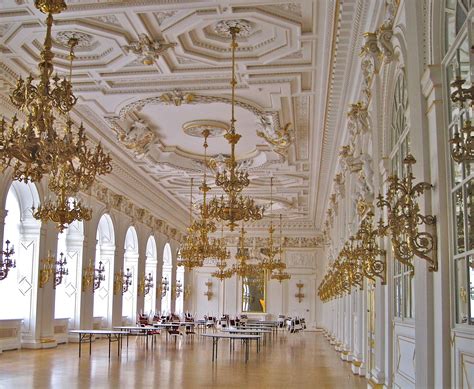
278, 139
404, 219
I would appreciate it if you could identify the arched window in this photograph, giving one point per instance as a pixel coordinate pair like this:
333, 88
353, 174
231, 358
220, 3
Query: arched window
104, 254
150, 270
129, 300
180, 285
166, 294
458, 63
23, 231
399, 149
70, 245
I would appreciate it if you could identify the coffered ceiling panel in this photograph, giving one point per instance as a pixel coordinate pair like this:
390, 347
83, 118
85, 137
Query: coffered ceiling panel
292, 60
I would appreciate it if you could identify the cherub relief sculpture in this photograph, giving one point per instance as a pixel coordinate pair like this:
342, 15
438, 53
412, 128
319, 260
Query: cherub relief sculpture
148, 51
138, 138
280, 140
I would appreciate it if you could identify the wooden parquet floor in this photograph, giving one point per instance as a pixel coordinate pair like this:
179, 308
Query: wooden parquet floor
287, 361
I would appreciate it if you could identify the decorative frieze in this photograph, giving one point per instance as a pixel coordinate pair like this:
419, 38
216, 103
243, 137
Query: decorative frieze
137, 214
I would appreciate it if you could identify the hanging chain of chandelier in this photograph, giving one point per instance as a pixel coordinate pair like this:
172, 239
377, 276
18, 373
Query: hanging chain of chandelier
231, 208
36, 147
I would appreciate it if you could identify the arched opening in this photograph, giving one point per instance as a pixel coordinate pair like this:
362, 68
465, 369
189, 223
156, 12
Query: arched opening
23, 232
179, 289
166, 291
150, 271
104, 256
129, 299
70, 247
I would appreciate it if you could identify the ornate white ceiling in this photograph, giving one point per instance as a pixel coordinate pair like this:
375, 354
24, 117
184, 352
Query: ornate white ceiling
293, 61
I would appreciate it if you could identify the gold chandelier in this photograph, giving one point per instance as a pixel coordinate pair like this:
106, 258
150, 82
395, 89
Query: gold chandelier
234, 207
28, 147
36, 148
242, 268
278, 272
268, 262
223, 255
190, 256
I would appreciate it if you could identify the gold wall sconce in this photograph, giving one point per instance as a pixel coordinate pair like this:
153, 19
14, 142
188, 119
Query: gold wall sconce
462, 142
53, 268
47, 270
122, 281
404, 219
209, 292
92, 277
299, 295
187, 292
373, 258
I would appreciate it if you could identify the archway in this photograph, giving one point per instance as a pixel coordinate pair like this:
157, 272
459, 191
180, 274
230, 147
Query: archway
129, 300
150, 270
70, 247
23, 232
104, 256
166, 291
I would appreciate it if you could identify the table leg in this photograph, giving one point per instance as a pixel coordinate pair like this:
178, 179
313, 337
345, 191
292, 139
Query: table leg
80, 341
246, 341
110, 341
128, 333
119, 344
90, 344
213, 347
217, 343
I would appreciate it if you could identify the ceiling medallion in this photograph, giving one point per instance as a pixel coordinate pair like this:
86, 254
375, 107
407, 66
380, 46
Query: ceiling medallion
83, 39
223, 27
212, 128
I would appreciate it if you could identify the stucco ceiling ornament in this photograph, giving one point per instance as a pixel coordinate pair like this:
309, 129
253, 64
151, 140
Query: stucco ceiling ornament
348, 162
371, 62
339, 185
177, 98
279, 139
223, 27
83, 39
384, 37
147, 50
333, 202
137, 138
359, 129
214, 128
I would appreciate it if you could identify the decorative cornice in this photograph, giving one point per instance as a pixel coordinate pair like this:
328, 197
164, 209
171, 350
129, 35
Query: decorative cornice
137, 214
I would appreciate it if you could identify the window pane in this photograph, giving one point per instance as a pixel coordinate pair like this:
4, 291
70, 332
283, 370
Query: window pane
397, 295
469, 191
471, 288
407, 289
461, 291
458, 222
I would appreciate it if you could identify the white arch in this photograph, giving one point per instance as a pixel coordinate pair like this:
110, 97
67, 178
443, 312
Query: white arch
19, 284
67, 300
167, 265
129, 298
150, 269
105, 253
